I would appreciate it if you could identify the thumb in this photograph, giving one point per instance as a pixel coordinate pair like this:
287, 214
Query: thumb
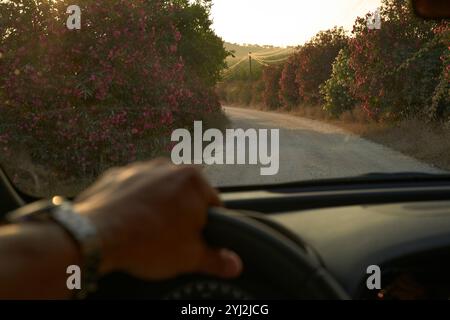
222, 263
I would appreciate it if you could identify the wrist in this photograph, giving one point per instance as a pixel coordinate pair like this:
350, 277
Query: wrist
80, 229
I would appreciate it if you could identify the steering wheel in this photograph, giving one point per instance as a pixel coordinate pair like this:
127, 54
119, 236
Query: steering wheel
276, 266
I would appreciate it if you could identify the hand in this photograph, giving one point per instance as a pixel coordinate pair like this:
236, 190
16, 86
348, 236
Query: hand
150, 217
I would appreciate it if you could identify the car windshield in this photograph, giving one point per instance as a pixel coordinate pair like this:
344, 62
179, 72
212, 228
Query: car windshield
254, 92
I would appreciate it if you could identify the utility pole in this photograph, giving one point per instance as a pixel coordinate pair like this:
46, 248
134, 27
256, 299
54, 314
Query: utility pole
250, 62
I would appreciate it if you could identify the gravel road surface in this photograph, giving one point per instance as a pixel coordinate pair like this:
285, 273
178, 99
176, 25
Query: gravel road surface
309, 150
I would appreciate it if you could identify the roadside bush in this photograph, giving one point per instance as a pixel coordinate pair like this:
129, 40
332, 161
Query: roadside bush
395, 67
271, 78
83, 100
417, 80
336, 90
288, 87
314, 63
440, 105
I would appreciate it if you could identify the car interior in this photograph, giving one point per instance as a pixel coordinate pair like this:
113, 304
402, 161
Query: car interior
315, 241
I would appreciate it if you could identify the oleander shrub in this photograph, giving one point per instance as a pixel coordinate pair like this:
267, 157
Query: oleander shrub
80, 101
288, 87
271, 78
396, 68
314, 63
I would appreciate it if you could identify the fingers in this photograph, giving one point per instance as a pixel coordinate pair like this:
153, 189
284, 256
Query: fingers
207, 192
221, 263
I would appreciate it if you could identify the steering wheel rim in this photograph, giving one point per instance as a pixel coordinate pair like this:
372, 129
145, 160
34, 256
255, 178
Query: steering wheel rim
301, 276
272, 257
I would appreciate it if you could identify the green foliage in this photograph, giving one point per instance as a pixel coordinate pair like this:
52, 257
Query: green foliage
202, 50
336, 90
440, 105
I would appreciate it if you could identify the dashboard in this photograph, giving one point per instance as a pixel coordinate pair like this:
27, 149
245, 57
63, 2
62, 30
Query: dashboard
410, 242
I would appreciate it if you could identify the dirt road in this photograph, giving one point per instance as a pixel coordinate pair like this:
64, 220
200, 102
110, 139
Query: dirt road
310, 150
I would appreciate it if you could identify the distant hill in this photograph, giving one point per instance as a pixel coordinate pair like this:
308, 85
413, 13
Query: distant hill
267, 52
238, 66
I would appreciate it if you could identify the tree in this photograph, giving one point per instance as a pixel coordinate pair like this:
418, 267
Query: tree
202, 50
315, 60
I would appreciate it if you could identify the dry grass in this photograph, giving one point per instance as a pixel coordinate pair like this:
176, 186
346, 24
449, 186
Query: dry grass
427, 142
37, 179
311, 112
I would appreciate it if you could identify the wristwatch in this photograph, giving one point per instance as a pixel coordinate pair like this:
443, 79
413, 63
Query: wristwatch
78, 227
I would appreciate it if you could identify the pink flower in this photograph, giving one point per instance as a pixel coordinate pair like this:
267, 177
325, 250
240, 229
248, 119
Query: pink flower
177, 35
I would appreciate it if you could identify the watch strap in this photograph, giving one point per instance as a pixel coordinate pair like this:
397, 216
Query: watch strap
85, 234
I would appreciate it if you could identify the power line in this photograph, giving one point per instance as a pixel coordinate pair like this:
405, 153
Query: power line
235, 65
260, 61
272, 53
277, 60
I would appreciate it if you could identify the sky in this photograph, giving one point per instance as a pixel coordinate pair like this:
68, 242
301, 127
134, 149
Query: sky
283, 22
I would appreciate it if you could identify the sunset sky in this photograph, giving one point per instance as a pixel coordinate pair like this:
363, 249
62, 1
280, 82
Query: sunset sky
284, 22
